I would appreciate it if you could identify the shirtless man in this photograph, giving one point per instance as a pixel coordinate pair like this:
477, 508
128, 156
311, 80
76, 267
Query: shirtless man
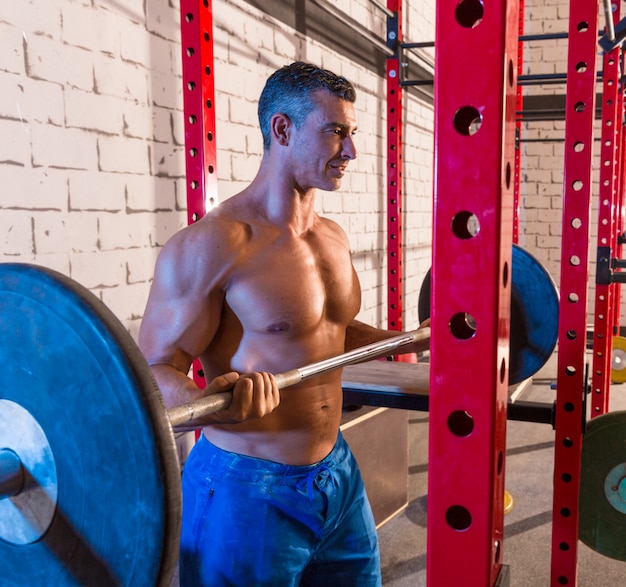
263, 284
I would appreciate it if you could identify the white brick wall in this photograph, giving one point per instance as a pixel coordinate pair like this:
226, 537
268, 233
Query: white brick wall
92, 162
91, 150
542, 162
92, 140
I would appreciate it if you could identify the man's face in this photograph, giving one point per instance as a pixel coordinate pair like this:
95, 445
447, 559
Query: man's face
324, 144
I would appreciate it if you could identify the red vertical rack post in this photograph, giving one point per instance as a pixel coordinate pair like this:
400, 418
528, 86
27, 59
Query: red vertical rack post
604, 314
571, 376
519, 104
620, 220
394, 168
475, 95
199, 112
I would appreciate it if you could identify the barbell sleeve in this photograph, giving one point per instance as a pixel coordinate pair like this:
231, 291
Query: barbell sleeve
186, 417
11, 473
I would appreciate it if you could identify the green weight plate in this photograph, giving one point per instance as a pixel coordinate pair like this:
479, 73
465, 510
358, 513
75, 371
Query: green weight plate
71, 366
602, 505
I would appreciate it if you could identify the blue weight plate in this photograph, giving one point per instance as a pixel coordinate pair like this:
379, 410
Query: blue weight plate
534, 315
74, 368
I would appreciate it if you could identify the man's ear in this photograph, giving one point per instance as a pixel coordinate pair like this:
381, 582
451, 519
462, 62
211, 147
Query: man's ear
281, 126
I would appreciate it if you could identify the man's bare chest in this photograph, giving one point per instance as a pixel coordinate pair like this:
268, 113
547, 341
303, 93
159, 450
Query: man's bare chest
293, 287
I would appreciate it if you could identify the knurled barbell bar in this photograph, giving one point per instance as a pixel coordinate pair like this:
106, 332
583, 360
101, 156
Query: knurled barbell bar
189, 416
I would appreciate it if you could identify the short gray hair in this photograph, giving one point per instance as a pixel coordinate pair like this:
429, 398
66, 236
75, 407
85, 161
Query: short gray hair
290, 90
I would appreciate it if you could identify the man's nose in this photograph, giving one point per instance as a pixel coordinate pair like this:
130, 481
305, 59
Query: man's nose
349, 148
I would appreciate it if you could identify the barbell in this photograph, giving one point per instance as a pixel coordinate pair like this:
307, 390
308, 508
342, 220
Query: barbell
89, 473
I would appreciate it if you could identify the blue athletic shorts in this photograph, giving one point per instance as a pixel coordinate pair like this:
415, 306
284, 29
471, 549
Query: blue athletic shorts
251, 522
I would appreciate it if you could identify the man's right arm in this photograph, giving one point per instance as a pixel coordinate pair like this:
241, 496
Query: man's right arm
180, 320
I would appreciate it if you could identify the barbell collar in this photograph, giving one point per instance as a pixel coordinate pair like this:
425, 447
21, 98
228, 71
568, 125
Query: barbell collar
188, 416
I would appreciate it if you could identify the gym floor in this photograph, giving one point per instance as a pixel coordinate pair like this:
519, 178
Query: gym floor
528, 526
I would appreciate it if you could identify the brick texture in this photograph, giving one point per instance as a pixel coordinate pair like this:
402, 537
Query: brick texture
92, 156
542, 161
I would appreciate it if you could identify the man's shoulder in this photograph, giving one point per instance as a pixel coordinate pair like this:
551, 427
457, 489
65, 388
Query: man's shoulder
220, 224
329, 223
332, 228
210, 242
